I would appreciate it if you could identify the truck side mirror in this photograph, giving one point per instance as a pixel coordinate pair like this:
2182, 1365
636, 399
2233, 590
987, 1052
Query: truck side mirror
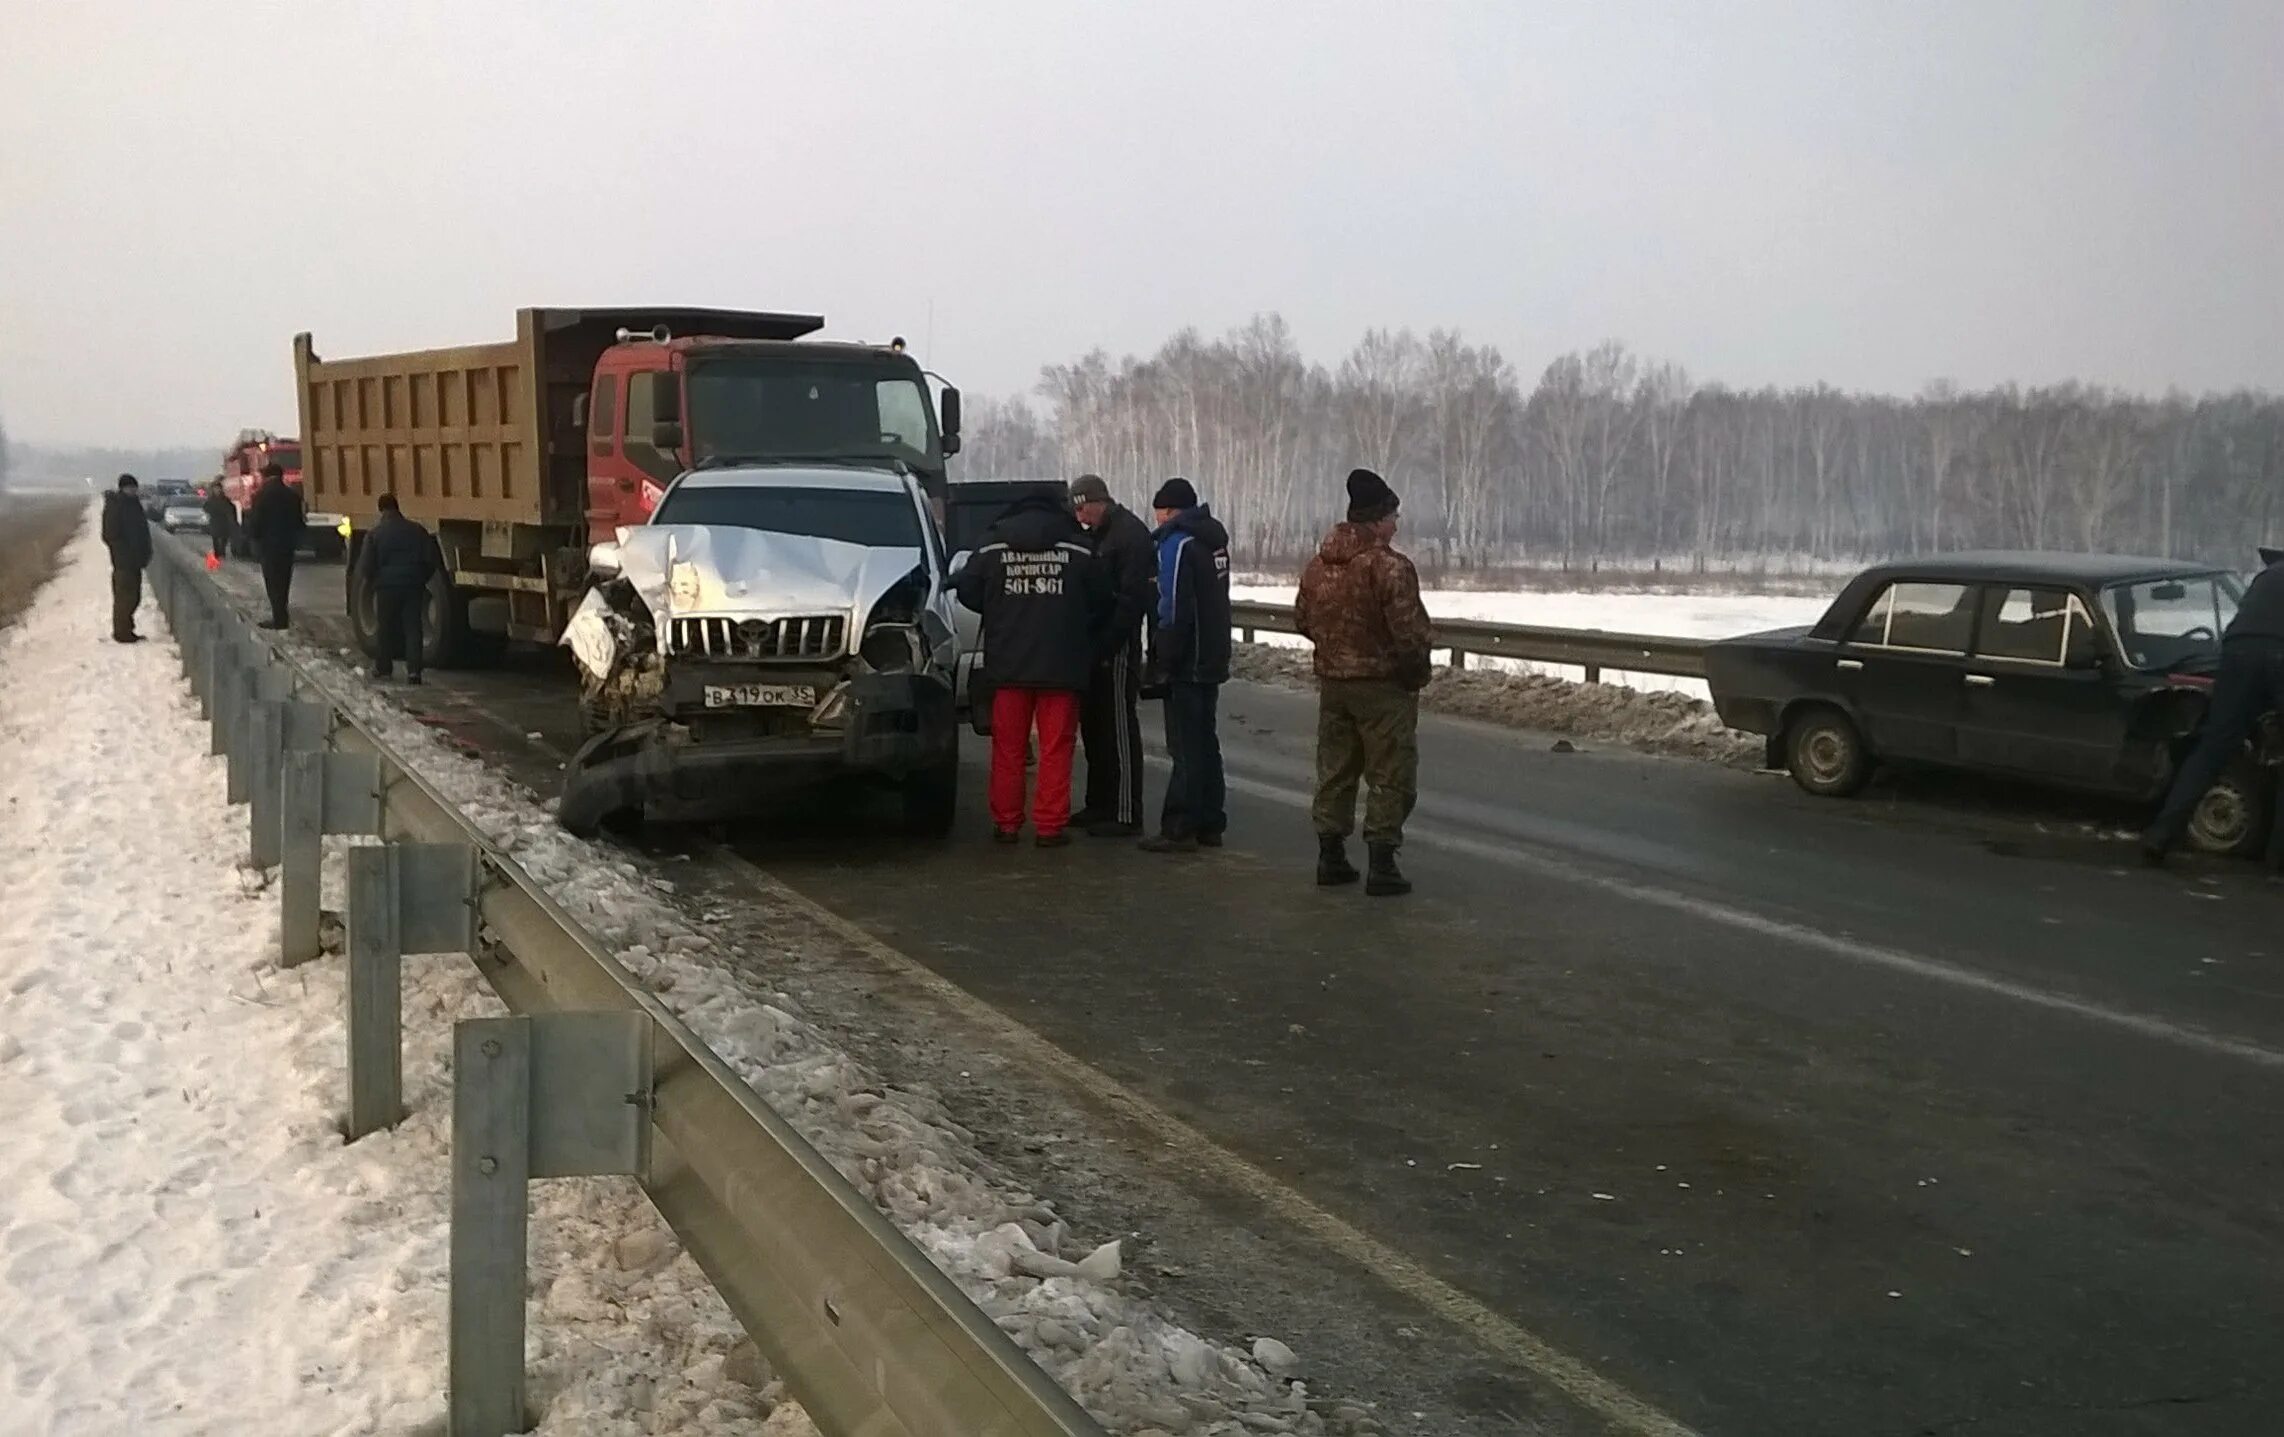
603, 560
949, 407
665, 435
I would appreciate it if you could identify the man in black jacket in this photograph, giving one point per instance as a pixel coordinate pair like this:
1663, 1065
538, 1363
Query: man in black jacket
221, 521
274, 522
1044, 602
2250, 683
1110, 723
398, 560
127, 534
1189, 653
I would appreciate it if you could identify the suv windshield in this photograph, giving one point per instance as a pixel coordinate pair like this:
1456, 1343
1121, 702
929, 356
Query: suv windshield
877, 520
764, 407
2163, 621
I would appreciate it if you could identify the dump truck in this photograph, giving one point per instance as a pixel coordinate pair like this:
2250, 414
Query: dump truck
523, 455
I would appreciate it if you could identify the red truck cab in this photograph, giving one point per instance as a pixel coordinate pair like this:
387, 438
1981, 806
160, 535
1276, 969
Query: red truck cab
661, 404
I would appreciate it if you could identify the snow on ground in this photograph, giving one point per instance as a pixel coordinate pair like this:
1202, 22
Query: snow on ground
1685, 616
186, 1244
1056, 1292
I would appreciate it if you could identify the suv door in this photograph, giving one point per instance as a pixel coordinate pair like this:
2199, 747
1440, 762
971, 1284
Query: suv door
1901, 666
2036, 699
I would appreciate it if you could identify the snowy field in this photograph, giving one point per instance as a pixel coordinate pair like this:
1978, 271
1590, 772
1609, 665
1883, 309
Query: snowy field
187, 1246
1684, 616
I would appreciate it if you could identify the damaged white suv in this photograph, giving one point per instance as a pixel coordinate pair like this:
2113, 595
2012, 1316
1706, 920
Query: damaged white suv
772, 625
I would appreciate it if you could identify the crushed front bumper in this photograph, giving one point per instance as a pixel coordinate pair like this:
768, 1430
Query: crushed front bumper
891, 726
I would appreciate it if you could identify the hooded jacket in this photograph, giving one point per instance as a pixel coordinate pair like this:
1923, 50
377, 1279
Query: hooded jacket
1043, 597
1190, 640
275, 519
126, 531
1360, 605
2261, 614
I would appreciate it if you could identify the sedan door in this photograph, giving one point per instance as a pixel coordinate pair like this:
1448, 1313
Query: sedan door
1901, 668
2036, 699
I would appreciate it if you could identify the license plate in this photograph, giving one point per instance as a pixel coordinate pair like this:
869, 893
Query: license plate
760, 696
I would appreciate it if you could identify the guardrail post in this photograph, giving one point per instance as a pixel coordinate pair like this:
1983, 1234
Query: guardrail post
265, 684
533, 1096
1459, 658
281, 726
322, 793
1593, 673
403, 898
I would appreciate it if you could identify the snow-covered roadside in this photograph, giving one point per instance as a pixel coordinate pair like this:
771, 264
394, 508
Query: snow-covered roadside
1056, 1292
186, 1245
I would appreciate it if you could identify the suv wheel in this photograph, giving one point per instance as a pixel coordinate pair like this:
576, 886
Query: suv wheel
2233, 817
1826, 754
931, 799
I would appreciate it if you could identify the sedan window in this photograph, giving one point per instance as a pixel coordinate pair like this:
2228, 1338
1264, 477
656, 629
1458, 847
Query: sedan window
2164, 621
2044, 626
1933, 618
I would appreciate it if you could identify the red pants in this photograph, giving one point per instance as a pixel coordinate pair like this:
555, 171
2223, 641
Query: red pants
1012, 711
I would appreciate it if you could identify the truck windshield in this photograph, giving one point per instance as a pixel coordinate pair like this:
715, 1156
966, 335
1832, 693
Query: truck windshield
756, 407
2164, 621
877, 520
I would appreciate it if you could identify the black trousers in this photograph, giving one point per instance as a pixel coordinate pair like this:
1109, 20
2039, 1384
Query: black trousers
221, 541
2249, 684
277, 578
1196, 796
1110, 724
398, 620
126, 597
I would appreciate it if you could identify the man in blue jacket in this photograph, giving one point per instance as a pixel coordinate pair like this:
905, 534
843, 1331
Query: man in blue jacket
1189, 654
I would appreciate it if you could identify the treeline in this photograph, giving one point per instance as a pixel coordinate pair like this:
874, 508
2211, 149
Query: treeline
35, 466
1610, 458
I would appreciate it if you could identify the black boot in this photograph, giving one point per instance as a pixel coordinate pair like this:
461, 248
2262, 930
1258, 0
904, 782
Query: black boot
1332, 865
1384, 880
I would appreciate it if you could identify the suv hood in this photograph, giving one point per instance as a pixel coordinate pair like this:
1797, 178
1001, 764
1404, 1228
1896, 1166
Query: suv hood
682, 569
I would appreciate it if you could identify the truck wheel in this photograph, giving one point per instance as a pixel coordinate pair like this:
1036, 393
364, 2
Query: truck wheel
444, 626
1826, 754
364, 622
932, 799
2232, 819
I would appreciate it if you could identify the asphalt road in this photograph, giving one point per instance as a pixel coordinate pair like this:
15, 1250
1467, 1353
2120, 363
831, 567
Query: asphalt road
1788, 1116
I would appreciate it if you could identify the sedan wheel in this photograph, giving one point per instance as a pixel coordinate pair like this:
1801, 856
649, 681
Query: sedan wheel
1827, 755
2232, 818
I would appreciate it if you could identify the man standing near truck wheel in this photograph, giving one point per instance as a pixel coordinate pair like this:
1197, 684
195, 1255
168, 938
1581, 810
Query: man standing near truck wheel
274, 523
1110, 721
399, 559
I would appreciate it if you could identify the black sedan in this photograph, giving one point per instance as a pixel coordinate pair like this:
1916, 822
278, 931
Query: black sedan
2084, 671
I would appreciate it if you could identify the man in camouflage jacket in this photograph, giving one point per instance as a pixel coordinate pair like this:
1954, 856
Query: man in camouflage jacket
1360, 606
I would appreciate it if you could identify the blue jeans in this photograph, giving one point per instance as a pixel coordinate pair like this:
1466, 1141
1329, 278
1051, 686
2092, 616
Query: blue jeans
1196, 796
2249, 684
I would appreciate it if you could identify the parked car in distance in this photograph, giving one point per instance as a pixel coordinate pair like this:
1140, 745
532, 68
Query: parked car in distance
183, 516
159, 493
2089, 672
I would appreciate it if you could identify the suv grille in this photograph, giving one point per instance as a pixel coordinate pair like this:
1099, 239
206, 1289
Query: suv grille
821, 637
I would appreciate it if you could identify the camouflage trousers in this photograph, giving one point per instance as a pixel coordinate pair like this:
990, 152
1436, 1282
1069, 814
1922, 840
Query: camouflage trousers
1368, 731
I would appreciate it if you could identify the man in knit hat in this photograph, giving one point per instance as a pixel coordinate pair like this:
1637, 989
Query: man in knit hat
1189, 654
1360, 606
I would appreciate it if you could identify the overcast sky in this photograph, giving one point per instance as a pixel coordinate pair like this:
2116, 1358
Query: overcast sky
1871, 194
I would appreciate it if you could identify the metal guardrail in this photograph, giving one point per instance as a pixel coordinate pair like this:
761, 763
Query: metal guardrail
870, 1337
1590, 649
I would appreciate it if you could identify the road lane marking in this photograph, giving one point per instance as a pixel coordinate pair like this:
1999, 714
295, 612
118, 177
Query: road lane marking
1854, 950
1193, 1151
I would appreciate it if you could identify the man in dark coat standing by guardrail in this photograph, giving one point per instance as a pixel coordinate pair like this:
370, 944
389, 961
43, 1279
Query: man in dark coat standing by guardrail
2250, 683
1110, 721
1360, 606
127, 534
1189, 655
221, 522
274, 521
398, 560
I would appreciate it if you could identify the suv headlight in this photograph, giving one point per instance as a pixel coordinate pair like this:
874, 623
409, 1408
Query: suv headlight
891, 648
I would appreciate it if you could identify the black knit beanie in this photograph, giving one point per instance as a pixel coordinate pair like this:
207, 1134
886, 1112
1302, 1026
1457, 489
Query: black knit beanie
1175, 493
1369, 497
